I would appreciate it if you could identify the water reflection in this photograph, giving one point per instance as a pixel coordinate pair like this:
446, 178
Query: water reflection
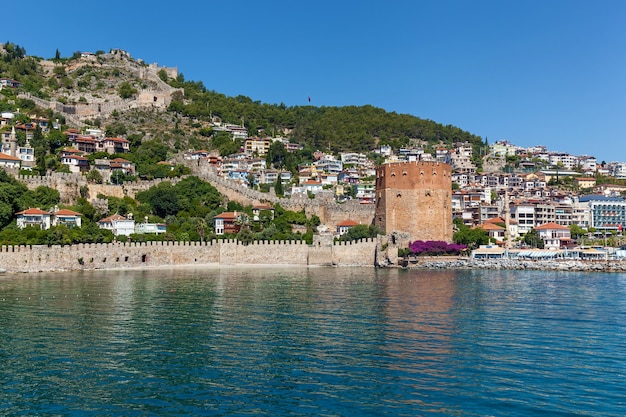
334, 341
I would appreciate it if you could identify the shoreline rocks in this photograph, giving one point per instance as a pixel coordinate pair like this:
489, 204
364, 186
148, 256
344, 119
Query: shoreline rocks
515, 264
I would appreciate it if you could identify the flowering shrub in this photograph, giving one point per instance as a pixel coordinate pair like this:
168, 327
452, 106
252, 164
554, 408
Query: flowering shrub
435, 248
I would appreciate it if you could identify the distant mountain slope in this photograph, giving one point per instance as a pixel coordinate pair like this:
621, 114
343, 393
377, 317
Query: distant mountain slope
124, 95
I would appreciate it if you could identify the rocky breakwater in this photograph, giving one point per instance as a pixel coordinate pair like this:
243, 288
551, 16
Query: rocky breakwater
520, 264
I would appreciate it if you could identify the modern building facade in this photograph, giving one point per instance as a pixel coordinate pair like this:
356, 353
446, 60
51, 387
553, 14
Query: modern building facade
606, 213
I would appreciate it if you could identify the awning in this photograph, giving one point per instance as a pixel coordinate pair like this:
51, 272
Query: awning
537, 254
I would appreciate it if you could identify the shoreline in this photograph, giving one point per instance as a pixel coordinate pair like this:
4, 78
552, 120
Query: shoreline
516, 264
432, 263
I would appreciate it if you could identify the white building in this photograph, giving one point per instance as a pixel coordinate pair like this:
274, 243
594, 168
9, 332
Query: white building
504, 148
34, 217
118, 224
153, 228
524, 215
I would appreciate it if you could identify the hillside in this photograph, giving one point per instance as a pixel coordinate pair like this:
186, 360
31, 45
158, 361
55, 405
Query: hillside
125, 96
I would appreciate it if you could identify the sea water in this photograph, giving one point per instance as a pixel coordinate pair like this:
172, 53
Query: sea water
313, 342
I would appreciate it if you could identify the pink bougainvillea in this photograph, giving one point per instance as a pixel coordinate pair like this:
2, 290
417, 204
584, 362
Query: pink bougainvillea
435, 247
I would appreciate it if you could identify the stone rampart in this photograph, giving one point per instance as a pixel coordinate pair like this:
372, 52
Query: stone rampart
158, 254
67, 184
323, 205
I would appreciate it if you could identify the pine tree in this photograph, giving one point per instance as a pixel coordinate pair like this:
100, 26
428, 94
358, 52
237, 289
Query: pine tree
278, 187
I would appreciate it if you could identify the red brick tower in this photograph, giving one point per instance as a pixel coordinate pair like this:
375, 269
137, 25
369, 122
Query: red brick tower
415, 198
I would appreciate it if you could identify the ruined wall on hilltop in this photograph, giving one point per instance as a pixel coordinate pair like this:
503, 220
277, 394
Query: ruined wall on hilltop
157, 96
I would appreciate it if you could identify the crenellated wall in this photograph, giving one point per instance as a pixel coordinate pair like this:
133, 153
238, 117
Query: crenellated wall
155, 254
323, 205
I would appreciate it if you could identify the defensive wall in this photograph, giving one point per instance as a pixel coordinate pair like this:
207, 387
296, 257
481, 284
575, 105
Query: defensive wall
69, 184
157, 97
39, 258
323, 205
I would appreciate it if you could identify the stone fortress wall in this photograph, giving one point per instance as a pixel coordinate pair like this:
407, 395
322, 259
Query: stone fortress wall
157, 96
69, 184
323, 206
162, 254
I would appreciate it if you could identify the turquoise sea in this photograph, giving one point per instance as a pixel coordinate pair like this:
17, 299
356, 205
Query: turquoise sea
313, 342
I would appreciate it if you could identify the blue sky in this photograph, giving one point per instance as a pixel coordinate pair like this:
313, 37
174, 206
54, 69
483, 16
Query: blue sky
548, 72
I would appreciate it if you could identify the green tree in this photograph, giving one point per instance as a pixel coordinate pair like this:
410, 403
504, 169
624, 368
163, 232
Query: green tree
470, 237
532, 239
59, 71
576, 231
162, 75
225, 144
126, 90
278, 188
84, 207
55, 140
94, 176
361, 231
276, 155
147, 156
163, 199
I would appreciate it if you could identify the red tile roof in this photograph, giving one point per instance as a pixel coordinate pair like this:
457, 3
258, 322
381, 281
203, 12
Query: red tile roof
347, 223
263, 207
490, 226
6, 157
111, 218
551, 226
227, 215
34, 211
66, 212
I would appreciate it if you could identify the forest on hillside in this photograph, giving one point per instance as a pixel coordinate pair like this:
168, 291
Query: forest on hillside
333, 129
